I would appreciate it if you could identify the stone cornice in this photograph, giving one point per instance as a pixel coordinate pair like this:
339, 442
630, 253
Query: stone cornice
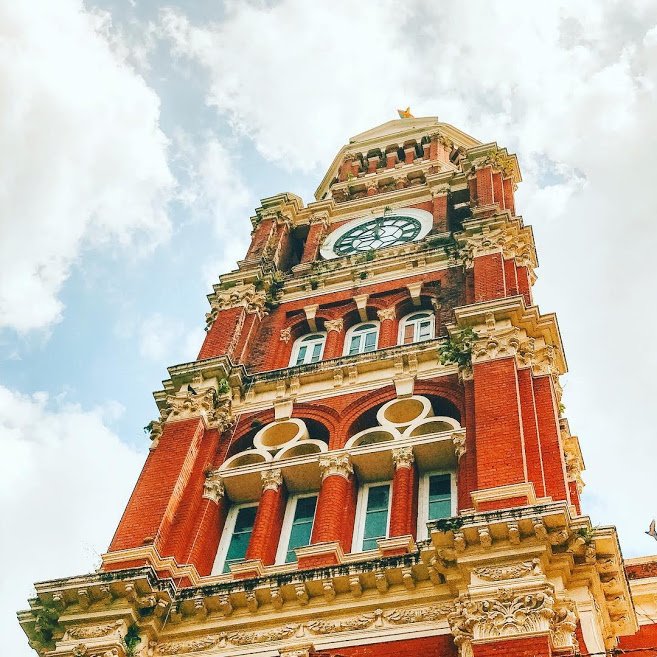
215, 409
506, 327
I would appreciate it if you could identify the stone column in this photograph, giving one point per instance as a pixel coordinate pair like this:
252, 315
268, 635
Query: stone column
389, 327
404, 493
334, 338
269, 519
331, 522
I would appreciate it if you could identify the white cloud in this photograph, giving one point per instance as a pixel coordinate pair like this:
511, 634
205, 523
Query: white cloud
85, 159
65, 478
166, 339
571, 87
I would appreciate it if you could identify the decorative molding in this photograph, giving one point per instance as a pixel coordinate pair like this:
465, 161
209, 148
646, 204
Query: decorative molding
214, 408
403, 457
512, 613
154, 428
245, 296
345, 624
509, 571
458, 438
213, 488
271, 479
334, 325
335, 464
260, 636
418, 614
523, 489
91, 631
386, 314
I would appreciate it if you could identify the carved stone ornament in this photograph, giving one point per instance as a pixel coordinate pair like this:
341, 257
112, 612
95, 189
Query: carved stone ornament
418, 614
333, 325
274, 634
512, 613
216, 409
335, 464
286, 335
513, 241
344, 625
193, 645
245, 296
271, 479
213, 488
458, 439
509, 571
403, 457
154, 428
92, 631
83, 651
386, 314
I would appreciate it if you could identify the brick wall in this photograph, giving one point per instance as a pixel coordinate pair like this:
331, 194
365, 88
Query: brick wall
434, 646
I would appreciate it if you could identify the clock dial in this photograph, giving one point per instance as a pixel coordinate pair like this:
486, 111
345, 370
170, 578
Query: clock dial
378, 233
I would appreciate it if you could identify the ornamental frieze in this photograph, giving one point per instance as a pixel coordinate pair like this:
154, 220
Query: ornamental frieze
91, 631
346, 624
418, 614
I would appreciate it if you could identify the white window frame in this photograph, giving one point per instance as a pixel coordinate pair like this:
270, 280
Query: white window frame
353, 329
288, 519
423, 500
361, 509
226, 537
404, 321
298, 343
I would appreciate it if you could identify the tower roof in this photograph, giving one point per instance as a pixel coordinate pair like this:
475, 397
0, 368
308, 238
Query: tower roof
394, 133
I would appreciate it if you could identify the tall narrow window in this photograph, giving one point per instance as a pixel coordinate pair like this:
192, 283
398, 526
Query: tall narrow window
308, 349
362, 338
236, 537
372, 516
436, 499
297, 527
417, 327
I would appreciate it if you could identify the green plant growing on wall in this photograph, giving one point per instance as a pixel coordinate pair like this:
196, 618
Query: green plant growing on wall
586, 533
370, 255
314, 283
131, 641
458, 349
47, 619
274, 289
223, 387
362, 275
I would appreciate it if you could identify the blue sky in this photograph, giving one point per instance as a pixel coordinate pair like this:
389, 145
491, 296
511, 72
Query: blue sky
141, 137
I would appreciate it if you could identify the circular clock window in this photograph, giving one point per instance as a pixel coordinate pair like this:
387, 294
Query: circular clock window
371, 233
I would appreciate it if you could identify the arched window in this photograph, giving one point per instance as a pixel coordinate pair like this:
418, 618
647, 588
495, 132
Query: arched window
416, 327
308, 349
361, 338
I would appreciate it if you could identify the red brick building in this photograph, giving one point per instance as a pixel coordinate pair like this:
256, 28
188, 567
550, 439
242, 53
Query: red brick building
368, 456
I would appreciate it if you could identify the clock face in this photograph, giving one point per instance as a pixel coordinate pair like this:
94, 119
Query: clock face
370, 233
378, 233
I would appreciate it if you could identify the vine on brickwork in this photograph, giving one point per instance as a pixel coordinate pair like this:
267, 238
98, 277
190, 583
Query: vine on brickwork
458, 349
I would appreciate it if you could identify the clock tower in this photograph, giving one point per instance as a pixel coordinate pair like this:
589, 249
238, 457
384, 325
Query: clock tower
369, 455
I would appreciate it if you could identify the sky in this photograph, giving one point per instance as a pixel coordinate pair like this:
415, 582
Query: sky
139, 137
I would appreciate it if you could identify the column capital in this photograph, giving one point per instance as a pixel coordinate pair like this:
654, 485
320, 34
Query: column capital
403, 457
335, 464
213, 488
334, 325
386, 314
271, 479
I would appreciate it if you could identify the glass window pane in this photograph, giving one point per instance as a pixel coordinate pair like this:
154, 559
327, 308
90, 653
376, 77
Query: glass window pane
409, 333
440, 485
424, 332
302, 526
317, 350
239, 541
314, 336
440, 509
377, 497
354, 345
301, 355
370, 341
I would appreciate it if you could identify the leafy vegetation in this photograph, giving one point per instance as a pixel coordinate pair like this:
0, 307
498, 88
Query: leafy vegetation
458, 349
131, 641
